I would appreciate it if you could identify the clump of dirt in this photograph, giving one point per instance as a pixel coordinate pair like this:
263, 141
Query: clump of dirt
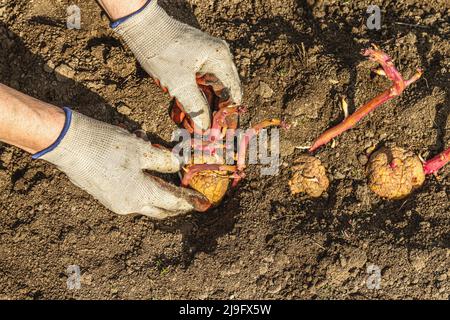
296, 59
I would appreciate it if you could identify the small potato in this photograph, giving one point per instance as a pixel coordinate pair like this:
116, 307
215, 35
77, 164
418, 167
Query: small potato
394, 173
309, 177
212, 184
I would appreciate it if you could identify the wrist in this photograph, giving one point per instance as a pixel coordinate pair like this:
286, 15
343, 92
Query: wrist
62, 122
28, 123
121, 9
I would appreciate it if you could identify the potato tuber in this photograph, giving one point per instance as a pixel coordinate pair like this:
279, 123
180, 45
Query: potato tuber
309, 177
394, 173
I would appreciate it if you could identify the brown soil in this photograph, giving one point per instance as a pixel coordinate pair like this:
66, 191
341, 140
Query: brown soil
261, 242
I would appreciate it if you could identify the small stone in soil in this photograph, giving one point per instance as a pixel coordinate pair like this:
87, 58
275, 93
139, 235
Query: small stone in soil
264, 90
64, 73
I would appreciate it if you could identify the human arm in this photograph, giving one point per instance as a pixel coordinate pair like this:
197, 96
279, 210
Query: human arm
106, 161
26, 122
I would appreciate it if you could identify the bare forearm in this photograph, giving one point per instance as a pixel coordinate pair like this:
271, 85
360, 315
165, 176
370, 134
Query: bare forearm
28, 123
117, 9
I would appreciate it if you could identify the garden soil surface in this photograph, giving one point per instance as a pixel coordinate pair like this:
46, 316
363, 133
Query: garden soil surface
296, 60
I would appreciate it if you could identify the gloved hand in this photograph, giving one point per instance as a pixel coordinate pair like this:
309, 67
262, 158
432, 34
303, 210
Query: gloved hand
174, 53
108, 162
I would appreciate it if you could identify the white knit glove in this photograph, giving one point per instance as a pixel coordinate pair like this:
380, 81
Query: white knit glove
108, 162
174, 53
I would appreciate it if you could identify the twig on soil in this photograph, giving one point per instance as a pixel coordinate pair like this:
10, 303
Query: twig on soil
345, 234
316, 243
403, 204
344, 106
333, 144
411, 25
302, 147
303, 54
426, 82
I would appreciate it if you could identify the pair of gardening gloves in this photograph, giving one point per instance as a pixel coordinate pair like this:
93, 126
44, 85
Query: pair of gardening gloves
109, 162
